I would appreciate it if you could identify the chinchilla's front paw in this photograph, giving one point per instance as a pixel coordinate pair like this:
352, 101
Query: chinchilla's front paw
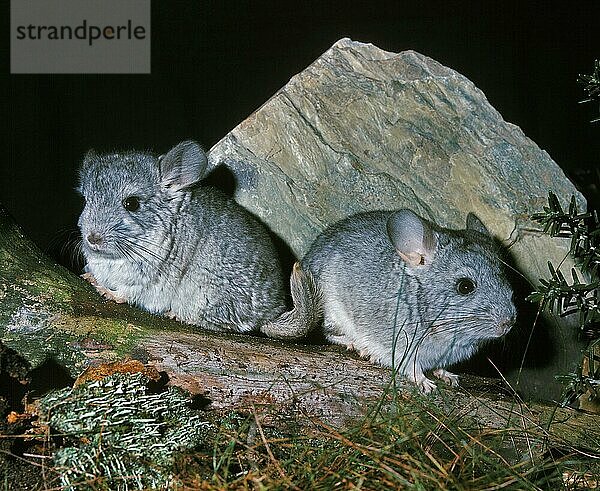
448, 377
172, 315
105, 292
425, 385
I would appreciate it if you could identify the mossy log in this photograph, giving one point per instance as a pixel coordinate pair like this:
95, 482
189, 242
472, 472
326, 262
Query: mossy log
49, 313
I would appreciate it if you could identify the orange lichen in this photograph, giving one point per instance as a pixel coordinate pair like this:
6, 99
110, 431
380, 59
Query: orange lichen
104, 370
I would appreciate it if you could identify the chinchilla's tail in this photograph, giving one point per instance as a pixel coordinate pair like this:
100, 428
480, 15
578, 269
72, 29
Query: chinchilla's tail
306, 314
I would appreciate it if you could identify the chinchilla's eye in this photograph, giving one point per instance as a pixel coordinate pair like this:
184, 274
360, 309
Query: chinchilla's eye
131, 203
464, 286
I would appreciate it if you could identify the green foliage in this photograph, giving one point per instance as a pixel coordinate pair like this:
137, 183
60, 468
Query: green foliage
580, 295
119, 436
591, 85
584, 231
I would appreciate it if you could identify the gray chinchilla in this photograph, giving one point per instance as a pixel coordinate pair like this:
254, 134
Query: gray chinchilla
402, 291
156, 238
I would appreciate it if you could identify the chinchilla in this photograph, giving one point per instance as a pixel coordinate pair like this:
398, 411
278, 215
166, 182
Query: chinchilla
402, 291
155, 237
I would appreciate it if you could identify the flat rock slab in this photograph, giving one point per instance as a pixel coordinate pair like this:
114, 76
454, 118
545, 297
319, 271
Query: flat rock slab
363, 129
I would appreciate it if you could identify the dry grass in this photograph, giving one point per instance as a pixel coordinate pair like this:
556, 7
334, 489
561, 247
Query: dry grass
415, 446
406, 442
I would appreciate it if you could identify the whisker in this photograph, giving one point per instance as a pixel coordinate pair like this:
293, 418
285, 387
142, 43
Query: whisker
515, 270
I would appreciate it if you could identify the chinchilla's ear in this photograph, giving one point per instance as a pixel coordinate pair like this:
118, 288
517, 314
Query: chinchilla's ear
182, 166
474, 223
413, 238
84, 169
89, 157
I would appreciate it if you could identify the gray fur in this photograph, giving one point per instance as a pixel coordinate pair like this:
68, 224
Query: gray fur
307, 313
388, 288
188, 251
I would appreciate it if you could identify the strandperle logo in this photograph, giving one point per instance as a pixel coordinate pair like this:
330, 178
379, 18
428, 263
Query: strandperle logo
84, 32
80, 36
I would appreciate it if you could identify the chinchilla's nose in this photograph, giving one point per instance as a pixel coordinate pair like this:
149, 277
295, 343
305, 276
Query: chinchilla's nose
94, 239
507, 323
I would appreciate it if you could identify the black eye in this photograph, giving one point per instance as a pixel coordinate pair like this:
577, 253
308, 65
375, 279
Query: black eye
131, 203
464, 286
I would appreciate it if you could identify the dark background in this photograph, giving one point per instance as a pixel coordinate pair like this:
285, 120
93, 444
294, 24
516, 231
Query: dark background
214, 62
